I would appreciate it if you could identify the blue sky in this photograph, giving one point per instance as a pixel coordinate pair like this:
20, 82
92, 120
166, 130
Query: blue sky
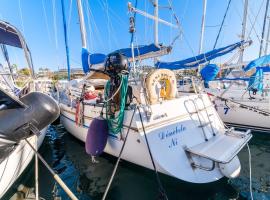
107, 24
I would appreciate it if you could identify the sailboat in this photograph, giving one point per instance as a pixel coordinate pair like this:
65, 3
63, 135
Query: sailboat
24, 114
241, 98
181, 136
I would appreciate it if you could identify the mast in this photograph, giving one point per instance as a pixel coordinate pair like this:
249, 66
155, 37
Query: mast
264, 23
202, 31
155, 3
65, 37
243, 35
156, 22
202, 26
82, 24
267, 37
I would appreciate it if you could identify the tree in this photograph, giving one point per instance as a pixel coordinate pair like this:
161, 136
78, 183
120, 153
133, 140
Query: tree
24, 71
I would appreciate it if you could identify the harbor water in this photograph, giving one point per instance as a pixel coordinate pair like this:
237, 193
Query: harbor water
88, 180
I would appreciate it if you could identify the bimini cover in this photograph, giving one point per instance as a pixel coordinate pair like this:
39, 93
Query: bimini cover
9, 35
195, 61
259, 62
209, 72
140, 52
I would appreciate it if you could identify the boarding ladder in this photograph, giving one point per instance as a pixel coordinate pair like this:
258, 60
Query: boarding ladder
199, 112
222, 147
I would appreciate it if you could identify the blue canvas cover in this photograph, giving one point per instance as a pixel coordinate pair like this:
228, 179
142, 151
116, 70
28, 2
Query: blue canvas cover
91, 59
94, 59
209, 72
262, 61
256, 80
139, 50
195, 61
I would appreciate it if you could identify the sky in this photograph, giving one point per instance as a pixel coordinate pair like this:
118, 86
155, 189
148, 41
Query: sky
107, 23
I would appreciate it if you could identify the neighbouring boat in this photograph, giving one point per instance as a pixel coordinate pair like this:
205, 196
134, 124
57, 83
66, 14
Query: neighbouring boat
24, 113
244, 102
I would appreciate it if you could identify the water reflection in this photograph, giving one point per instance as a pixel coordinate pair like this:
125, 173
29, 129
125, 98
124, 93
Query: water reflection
88, 181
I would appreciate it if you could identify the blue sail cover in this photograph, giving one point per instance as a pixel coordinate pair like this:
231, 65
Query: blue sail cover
140, 50
260, 62
209, 72
95, 59
195, 61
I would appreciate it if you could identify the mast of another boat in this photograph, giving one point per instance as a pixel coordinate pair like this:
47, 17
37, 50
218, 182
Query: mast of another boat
202, 30
82, 24
65, 37
264, 24
243, 35
267, 37
155, 3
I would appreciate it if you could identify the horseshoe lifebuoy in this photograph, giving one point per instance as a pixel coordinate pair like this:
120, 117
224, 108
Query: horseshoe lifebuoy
161, 83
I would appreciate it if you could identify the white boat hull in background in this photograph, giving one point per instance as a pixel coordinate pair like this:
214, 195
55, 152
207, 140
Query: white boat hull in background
14, 165
245, 117
240, 110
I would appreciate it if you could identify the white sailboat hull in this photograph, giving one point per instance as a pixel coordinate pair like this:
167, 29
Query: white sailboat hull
169, 132
14, 165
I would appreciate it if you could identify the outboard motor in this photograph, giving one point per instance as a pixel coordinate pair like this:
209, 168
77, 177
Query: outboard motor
39, 111
115, 64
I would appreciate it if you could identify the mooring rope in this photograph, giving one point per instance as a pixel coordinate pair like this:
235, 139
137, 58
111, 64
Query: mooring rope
250, 175
118, 159
161, 189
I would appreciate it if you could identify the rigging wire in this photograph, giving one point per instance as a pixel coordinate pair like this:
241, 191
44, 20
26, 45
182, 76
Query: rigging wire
222, 23
54, 23
55, 32
255, 20
181, 31
21, 16
46, 20
69, 18
115, 39
96, 29
90, 41
185, 9
108, 23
